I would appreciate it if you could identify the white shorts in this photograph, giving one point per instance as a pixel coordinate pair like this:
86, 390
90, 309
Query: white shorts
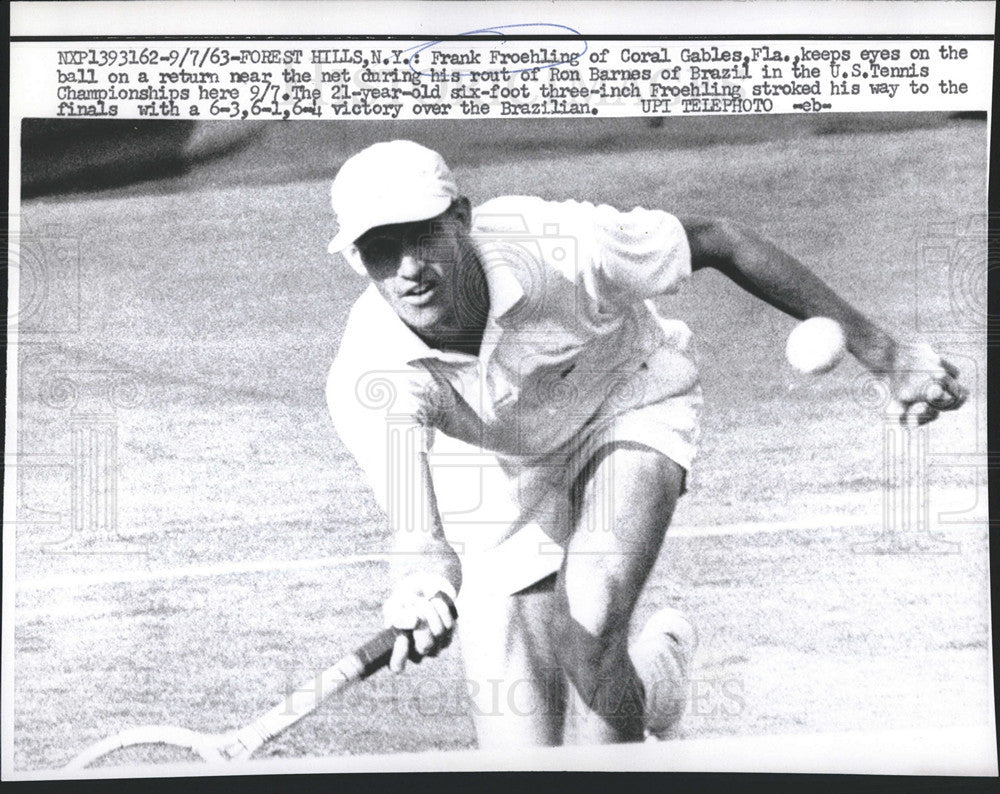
524, 515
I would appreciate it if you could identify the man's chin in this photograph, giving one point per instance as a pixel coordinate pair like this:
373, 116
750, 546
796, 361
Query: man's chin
424, 320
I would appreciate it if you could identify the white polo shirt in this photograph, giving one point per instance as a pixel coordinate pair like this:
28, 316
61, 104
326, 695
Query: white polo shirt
571, 339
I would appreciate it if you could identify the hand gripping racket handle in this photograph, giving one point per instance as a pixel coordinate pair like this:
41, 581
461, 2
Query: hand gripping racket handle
361, 663
375, 654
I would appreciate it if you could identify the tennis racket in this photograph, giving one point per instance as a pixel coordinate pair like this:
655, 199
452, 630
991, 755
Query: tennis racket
240, 744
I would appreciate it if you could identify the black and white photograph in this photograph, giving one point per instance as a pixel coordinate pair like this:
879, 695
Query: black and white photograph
588, 442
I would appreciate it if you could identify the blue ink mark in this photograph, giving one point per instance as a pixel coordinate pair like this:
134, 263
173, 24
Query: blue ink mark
495, 31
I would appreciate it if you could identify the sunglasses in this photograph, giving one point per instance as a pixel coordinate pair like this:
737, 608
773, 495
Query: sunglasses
383, 248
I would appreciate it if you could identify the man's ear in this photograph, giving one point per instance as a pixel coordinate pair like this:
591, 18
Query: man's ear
353, 257
461, 209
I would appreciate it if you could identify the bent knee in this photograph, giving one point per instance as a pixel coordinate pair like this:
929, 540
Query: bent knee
632, 473
660, 473
598, 600
586, 639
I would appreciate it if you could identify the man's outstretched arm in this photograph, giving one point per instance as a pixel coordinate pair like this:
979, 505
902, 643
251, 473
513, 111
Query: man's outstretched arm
422, 564
921, 381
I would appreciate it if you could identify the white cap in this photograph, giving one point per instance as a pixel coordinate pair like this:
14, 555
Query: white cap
391, 182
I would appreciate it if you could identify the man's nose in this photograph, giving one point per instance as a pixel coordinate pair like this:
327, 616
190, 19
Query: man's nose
410, 263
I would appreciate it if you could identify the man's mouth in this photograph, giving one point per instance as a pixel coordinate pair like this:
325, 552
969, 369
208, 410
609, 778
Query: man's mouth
420, 293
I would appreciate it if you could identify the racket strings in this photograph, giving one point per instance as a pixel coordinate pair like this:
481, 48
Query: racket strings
145, 755
148, 744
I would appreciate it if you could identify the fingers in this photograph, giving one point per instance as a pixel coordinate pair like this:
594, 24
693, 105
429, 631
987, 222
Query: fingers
401, 617
400, 650
917, 414
445, 611
431, 617
946, 394
425, 640
950, 368
426, 626
927, 384
433, 633
956, 392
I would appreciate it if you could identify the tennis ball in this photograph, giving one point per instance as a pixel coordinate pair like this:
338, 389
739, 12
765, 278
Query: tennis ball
815, 346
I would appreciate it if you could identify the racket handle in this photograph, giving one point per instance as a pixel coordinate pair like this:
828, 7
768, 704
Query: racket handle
375, 654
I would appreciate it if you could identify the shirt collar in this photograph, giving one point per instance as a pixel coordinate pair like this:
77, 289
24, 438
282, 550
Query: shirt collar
506, 290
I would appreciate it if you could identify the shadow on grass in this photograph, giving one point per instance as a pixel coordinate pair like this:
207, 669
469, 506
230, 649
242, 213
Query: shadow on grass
77, 155
166, 156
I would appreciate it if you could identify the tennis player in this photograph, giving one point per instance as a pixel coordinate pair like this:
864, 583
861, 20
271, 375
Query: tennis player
527, 421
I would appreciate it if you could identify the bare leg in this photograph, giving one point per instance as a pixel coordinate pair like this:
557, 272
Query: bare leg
517, 692
631, 490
